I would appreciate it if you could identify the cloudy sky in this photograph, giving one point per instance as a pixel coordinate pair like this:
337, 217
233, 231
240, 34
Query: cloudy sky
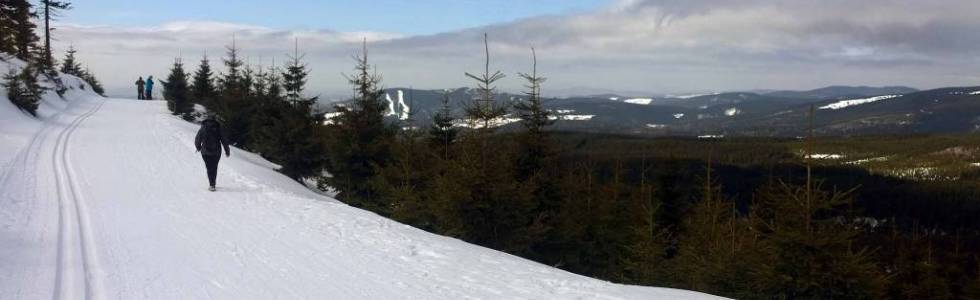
584, 46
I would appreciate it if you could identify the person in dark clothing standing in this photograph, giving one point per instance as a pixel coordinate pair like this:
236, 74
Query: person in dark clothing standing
209, 142
139, 88
149, 88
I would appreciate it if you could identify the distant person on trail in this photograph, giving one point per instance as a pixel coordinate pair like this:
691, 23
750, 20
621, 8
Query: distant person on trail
209, 142
139, 88
149, 88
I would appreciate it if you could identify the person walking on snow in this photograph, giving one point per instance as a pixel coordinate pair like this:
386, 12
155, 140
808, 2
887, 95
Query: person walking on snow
139, 88
209, 142
149, 88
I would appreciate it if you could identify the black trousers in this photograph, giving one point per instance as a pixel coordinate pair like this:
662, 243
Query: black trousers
211, 162
139, 94
148, 95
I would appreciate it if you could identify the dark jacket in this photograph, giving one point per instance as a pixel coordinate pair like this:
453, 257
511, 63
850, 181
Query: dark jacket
140, 83
210, 139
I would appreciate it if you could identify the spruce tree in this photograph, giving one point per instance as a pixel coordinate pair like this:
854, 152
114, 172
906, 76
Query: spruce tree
202, 88
814, 254
534, 117
275, 82
231, 80
176, 91
90, 78
51, 12
22, 89
484, 111
70, 65
535, 163
719, 252
23, 36
644, 259
496, 211
260, 83
406, 181
286, 136
286, 131
234, 104
360, 143
294, 80
8, 25
442, 133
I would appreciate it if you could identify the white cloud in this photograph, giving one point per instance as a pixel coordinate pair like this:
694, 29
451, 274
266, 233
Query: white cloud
637, 45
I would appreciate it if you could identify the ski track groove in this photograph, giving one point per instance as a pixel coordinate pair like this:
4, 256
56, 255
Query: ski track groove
27, 157
66, 186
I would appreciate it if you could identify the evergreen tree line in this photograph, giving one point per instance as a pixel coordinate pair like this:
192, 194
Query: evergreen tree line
263, 110
514, 192
637, 222
18, 39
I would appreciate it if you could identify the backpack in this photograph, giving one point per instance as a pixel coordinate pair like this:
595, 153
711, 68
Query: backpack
212, 137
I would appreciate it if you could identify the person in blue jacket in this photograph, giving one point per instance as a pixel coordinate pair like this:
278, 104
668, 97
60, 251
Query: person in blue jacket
149, 88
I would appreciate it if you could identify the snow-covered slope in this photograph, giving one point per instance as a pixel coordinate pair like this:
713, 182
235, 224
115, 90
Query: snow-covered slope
110, 201
18, 127
853, 102
641, 101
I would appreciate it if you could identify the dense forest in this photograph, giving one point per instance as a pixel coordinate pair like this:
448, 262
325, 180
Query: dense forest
745, 218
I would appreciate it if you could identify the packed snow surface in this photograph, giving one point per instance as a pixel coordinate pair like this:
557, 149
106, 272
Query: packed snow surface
975, 93
108, 199
853, 102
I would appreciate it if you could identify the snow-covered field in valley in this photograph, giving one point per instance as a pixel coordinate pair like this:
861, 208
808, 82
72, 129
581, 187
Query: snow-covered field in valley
107, 199
853, 102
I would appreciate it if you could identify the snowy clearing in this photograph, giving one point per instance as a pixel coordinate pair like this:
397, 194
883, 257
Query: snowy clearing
853, 102
825, 156
641, 101
574, 117
328, 117
867, 160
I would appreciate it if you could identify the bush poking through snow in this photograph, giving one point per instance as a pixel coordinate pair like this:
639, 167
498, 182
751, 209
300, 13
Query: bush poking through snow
22, 89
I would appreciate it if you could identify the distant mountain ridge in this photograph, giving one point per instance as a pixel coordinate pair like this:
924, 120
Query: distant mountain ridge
840, 92
850, 110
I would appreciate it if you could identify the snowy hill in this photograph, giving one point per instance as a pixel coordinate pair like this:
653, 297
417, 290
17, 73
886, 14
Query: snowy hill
106, 198
17, 127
